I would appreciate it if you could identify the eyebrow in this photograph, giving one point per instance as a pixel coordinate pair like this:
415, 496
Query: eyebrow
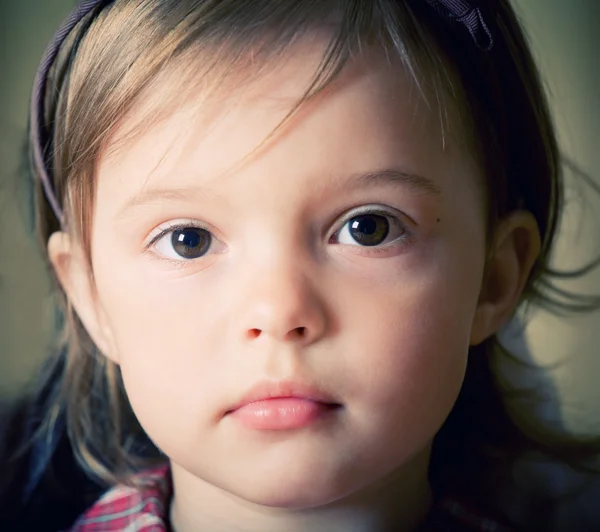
418, 184
149, 196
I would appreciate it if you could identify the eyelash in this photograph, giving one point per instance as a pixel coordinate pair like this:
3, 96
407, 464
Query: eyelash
171, 227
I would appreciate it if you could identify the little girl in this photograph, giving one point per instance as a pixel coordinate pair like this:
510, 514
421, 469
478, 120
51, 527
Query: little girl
287, 233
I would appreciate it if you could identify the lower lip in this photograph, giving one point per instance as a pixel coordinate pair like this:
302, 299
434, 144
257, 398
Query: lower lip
281, 413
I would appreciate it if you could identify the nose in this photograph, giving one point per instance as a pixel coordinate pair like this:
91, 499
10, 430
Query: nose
281, 303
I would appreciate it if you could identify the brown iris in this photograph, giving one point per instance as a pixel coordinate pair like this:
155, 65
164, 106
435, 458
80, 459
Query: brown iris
191, 242
369, 229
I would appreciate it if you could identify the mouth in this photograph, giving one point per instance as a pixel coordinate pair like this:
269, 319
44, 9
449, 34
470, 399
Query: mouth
282, 405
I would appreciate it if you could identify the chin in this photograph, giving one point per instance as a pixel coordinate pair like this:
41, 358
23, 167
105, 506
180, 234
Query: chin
289, 491
285, 497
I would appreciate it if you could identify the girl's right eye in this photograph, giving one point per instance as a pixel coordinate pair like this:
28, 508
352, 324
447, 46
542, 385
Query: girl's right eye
183, 243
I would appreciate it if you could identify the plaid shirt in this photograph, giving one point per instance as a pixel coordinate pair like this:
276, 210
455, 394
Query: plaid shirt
146, 509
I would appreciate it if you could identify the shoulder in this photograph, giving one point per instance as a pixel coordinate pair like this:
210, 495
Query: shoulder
143, 506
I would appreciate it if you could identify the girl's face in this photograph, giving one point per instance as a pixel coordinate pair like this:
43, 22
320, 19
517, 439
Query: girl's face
340, 264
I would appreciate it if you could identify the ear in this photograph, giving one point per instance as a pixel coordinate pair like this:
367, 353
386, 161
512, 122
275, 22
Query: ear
75, 276
515, 249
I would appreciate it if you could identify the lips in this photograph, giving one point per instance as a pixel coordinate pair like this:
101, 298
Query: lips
282, 405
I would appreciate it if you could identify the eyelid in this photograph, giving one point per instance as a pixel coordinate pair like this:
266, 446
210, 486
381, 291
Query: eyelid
173, 225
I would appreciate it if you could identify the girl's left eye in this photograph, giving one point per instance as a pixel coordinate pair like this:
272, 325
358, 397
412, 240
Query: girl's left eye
370, 229
183, 242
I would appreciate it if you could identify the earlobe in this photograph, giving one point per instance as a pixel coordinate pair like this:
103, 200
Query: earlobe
73, 273
516, 248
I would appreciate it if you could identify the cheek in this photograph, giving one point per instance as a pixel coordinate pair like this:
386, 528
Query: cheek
415, 371
413, 331
166, 342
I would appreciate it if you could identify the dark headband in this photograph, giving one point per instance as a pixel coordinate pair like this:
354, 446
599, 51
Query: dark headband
464, 12
40, 136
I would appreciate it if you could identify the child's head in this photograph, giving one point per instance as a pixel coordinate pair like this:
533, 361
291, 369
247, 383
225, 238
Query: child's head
332, 200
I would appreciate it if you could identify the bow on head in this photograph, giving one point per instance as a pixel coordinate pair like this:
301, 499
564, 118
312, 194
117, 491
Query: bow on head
469, 15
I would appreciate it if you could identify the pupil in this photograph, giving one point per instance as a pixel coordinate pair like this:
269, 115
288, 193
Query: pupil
191, 242
369, 229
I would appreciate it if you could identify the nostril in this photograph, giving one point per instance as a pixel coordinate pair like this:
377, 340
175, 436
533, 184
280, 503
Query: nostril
300, 332
253, 334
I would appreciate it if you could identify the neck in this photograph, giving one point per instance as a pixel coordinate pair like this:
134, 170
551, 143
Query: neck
398, 503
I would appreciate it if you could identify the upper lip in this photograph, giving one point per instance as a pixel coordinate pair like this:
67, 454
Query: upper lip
282, 389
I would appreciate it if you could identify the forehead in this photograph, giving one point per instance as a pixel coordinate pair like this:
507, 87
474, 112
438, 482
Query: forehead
207, 85
371, 110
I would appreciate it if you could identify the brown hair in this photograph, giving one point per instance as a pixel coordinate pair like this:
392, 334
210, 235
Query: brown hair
105, 71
